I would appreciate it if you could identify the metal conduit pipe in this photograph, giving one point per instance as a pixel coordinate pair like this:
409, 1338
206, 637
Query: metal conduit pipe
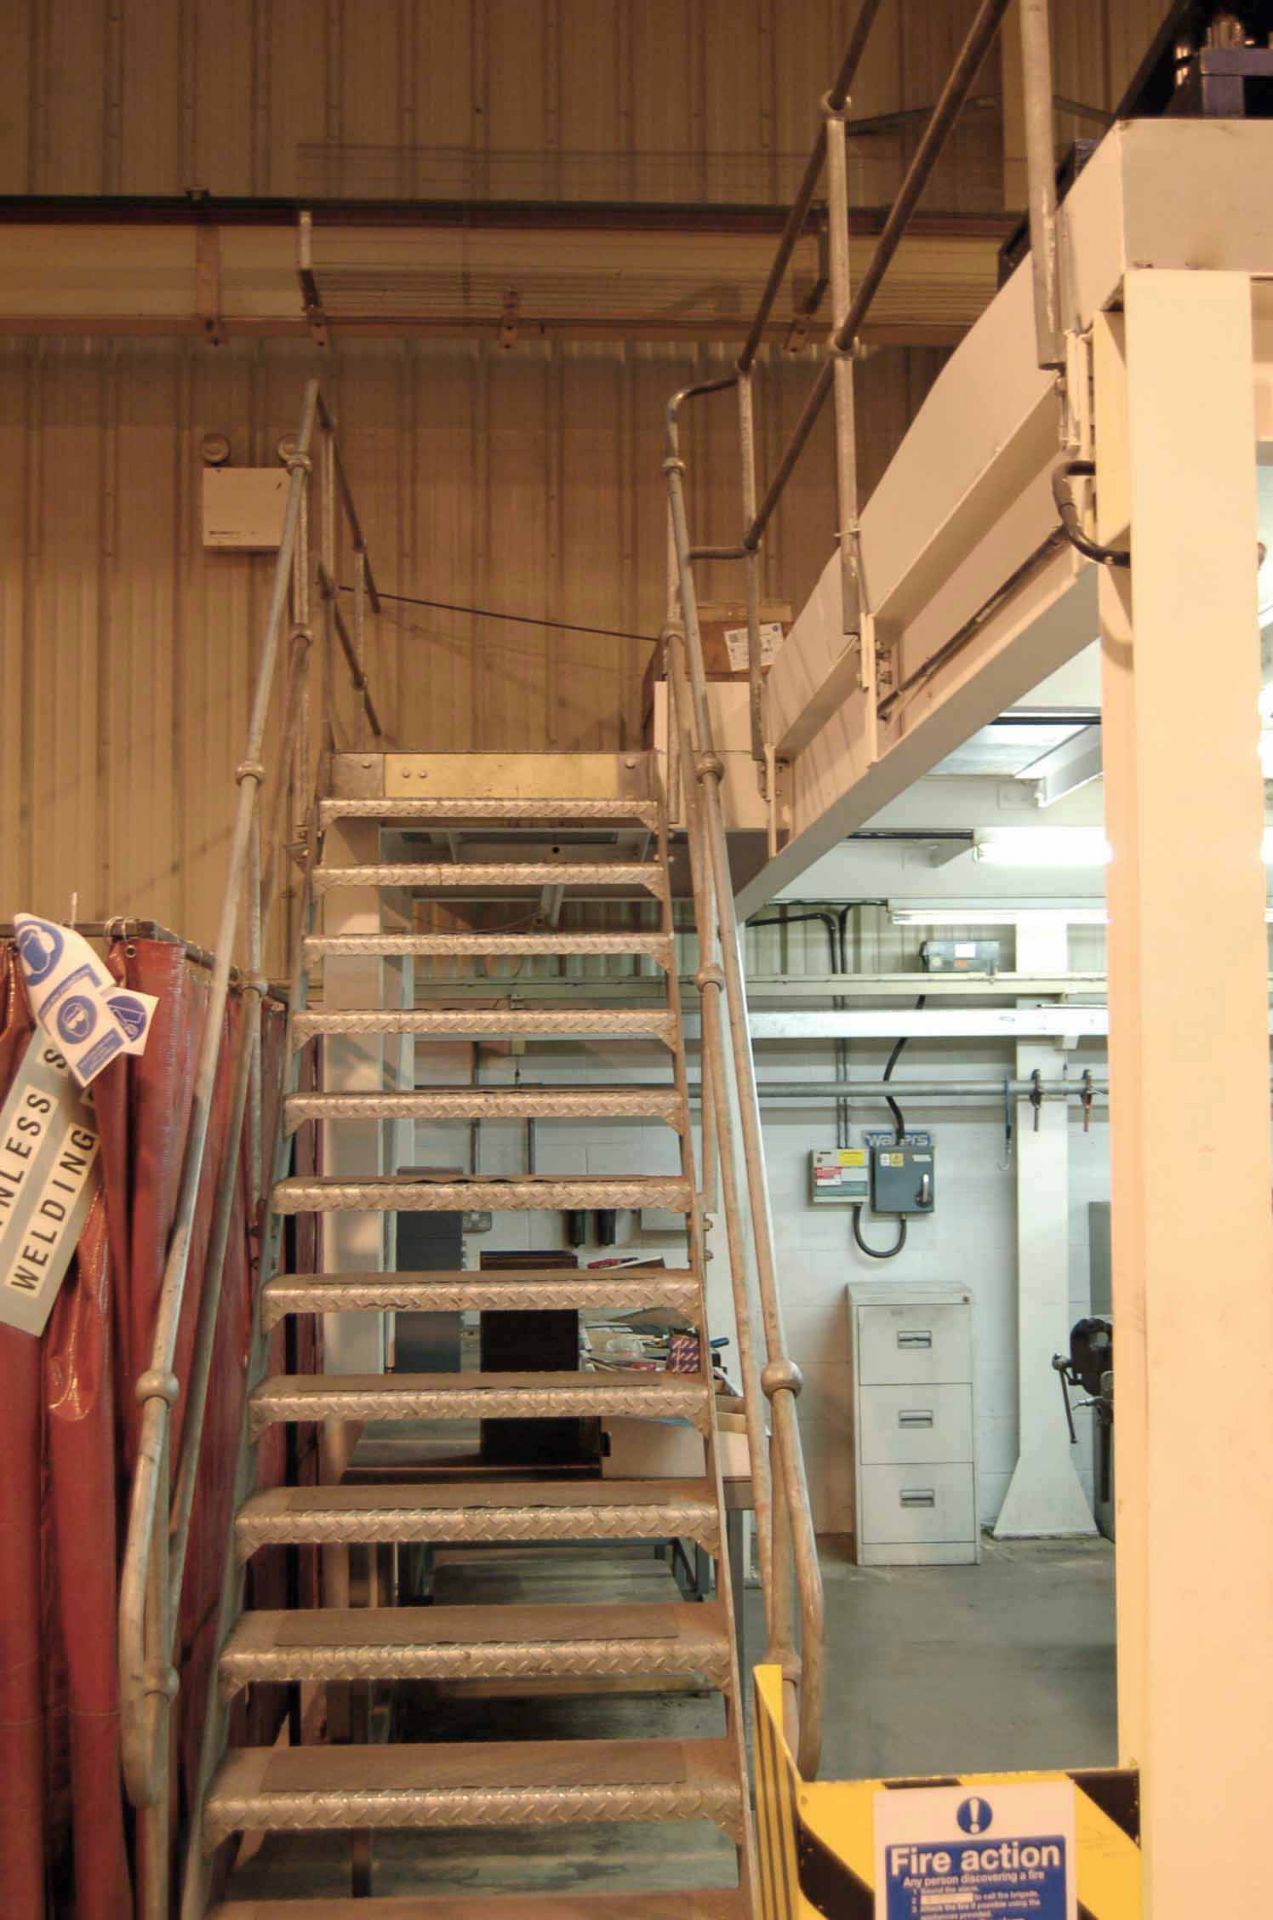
801, 919
843, 340
987, 1089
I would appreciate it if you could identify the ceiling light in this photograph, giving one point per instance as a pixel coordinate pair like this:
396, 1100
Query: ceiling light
994, 913
977, 913
1042, 847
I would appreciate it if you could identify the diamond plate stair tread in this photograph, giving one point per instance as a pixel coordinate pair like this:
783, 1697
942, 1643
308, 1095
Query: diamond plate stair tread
460, 1511
427, 876
608, 1023
625, 1289
472, 1784
478, 1396
389, 1193
643, 812
715, 1904
476, 1642
488, 1103
657, 946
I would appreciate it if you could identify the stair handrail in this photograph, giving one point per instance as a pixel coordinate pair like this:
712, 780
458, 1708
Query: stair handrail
786, 1538
786, 1533
160, 1504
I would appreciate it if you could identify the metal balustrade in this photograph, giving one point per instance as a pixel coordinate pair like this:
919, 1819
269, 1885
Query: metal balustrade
162, 1498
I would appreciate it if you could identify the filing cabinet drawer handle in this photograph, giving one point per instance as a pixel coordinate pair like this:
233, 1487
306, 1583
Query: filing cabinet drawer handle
915, 1417
918, 1497
915, 1337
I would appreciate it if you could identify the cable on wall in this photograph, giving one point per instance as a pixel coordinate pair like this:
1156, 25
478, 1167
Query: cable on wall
899, 1125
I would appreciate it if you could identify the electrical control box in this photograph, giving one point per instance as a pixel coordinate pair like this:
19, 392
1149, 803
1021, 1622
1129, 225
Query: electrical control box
902, 1173
840, 1177
960, 956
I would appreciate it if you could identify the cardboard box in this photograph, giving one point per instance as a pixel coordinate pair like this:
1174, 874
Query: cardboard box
723, 624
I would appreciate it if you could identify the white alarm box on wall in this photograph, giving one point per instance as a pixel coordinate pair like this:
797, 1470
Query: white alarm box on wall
913, 1420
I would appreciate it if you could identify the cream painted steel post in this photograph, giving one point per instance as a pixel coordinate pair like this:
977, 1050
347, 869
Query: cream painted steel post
1191, 1166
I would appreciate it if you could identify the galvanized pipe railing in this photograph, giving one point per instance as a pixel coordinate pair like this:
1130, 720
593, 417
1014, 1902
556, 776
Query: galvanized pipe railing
718, 1151
790, 1542
844, 337
160, 1503
837, 98
780, 1380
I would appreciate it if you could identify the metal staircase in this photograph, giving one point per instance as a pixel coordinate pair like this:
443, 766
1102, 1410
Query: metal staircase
576, 849
478, 1785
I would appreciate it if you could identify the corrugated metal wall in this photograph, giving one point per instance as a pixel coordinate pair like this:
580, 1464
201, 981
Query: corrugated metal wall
666, 99
525, 481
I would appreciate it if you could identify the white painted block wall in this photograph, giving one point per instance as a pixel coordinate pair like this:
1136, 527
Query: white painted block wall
969, 1239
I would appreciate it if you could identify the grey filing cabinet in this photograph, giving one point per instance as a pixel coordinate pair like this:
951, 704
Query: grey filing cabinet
914, 1428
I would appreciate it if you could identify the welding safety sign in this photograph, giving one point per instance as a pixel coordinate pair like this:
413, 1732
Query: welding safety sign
86, 1014
955, 1853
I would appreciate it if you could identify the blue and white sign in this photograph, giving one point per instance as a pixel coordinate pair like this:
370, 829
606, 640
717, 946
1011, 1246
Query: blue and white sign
995, 1852
78, 1004
40, 944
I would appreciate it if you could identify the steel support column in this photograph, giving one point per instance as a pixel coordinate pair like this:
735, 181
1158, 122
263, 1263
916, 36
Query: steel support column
1191, 1173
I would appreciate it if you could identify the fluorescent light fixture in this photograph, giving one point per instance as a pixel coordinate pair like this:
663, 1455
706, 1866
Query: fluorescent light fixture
975, 913
1042, 847
995, 913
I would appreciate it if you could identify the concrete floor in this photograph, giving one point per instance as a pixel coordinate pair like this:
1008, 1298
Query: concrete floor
999, 1667
1007, 1665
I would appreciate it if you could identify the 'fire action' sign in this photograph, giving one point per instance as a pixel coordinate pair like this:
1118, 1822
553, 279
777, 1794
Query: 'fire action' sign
987, 1853
49, 1173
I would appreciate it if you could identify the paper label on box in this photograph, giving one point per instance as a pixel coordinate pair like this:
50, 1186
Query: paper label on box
771, 637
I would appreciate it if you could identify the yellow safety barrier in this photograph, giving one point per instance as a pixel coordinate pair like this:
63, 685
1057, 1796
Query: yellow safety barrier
817, 1838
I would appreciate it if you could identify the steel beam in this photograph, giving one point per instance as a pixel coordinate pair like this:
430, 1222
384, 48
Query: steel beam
217, 270
1074, 764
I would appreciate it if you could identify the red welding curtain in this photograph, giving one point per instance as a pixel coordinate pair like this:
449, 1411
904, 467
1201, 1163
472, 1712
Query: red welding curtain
68, 1426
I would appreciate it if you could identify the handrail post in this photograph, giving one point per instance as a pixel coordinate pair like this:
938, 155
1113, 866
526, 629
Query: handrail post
360, 633
161, 1689
858, 631
710, 982
327, 551
160, 1503
751, 574
976, 44
781, 1378
1036, 69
